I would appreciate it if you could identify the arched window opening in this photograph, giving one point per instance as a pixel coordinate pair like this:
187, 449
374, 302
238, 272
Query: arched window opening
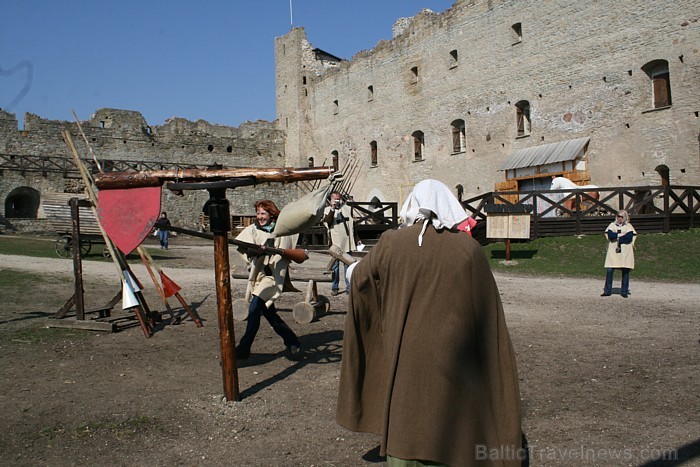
373, 153
657, 71
459, 140
522, 113
311, 162
664, 173
334, 155
22, 203
418, 145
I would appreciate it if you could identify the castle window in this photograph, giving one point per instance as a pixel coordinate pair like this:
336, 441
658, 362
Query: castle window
459, 140
454, 59
373, 153
657, 71
370, 93
210, 148
335, 107
311, 161
418, 145
229, 148
517, 33
334, 155
303, 80
414, 74
522, 115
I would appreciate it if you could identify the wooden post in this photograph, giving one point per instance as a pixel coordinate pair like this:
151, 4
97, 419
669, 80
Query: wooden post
667, 210
220, 222
77, 261
507, 249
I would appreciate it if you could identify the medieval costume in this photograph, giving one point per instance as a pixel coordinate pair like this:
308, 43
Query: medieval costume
268, 278
338, 220
427, 359
620, 254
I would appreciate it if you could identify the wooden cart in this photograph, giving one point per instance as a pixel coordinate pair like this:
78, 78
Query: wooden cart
57, 212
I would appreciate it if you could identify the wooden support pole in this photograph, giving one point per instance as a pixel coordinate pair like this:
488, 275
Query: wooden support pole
77, 261
227, 338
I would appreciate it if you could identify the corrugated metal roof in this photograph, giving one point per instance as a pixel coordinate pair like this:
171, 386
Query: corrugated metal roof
546, 154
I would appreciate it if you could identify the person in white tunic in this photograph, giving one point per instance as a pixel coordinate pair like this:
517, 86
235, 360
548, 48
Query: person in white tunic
269, 277
621, 237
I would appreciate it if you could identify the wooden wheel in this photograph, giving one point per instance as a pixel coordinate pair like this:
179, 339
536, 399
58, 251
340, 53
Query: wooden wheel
63, 246
85, 246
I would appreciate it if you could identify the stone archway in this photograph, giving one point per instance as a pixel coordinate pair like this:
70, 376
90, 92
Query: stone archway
22, 203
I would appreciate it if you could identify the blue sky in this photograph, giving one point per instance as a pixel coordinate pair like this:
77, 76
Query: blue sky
209, 59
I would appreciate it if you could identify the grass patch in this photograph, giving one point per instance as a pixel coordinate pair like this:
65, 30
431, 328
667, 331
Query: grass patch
21, 288
45, 247
664, 257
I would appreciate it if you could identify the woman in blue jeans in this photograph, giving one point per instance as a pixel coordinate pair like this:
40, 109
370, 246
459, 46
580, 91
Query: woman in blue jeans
621, 236
268, 278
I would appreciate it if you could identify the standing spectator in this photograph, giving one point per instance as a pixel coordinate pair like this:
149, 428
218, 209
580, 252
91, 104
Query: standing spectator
163, 226
427, 359
269, 277
338, 220
621, 236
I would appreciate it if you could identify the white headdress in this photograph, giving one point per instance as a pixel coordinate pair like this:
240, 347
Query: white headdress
434, 203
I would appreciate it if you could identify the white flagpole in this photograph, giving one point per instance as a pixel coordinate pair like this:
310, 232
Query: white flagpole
291, 18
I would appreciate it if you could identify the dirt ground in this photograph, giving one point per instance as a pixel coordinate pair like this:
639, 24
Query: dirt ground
604, 381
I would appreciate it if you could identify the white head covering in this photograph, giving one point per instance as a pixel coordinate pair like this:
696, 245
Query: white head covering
434, 203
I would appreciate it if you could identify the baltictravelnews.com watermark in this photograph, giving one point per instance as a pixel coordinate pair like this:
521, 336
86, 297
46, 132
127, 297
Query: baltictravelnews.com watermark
578, 453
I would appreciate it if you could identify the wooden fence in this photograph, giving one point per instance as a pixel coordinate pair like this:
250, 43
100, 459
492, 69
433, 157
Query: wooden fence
652, 209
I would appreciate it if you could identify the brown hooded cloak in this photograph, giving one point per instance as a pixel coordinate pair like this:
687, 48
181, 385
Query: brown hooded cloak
427, 360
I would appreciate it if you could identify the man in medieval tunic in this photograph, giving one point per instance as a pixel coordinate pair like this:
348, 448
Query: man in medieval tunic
427, 359
338, 220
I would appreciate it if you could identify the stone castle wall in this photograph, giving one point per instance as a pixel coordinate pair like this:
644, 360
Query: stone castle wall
125, 135
578, 64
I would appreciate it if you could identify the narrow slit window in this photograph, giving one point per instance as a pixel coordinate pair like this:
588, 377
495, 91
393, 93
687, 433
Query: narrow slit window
454, 58
334, 158
459, 140
418, 145
517, 33
373, 153
522, 115
414, 74
370, 93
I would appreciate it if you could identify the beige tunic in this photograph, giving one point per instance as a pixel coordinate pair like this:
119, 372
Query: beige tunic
342, 233
624, 259
267, 287
427, 359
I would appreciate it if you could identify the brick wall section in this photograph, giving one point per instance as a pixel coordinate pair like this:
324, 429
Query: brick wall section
578, 65
125, 135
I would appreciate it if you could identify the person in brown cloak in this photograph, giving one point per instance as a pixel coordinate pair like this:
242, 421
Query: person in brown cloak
427, 359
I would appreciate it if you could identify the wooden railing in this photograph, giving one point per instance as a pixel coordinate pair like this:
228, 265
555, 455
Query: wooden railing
65, 165
584, 211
